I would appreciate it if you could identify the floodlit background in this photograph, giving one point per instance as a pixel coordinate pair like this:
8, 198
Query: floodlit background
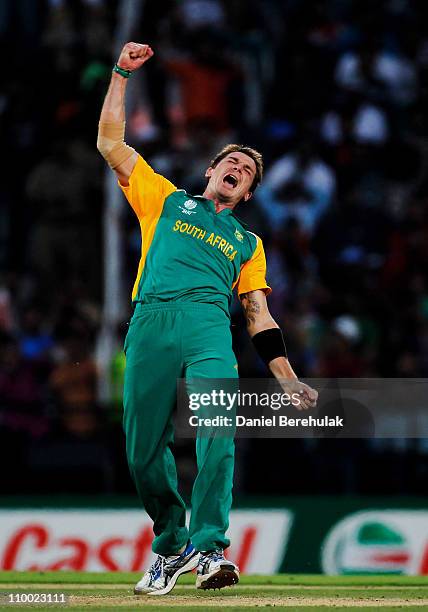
334, 94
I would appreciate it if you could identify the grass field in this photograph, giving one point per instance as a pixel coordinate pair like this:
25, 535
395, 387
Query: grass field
282, 592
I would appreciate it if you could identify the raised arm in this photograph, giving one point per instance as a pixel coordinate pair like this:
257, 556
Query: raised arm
111, 131
267, 339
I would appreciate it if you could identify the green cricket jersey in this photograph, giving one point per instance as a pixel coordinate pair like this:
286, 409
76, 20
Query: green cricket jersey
190, 253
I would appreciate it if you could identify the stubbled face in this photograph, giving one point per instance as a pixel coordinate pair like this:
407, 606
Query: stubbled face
231, 179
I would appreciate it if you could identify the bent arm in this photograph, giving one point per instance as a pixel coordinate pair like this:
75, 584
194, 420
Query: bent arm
259, 319
111, 132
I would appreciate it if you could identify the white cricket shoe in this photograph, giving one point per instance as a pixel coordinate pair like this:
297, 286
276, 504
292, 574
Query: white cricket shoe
162, 575
216, 572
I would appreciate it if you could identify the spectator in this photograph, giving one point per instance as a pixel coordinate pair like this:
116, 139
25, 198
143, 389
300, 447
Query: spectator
35, 342
298, 185
205, 79
74, 379
59, 188
383, 76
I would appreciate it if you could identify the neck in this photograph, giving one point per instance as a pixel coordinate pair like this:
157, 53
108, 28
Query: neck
219, 204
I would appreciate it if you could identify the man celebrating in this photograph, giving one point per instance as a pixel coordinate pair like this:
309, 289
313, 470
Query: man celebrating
194, 252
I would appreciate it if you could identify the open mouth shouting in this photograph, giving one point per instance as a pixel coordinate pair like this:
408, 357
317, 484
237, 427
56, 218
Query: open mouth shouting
230, 180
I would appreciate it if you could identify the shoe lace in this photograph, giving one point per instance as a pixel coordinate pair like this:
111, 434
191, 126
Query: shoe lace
215, 555
157, 568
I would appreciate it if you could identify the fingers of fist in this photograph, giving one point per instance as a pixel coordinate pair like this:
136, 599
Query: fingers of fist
137, 51
303, 396
134, 55
308, 397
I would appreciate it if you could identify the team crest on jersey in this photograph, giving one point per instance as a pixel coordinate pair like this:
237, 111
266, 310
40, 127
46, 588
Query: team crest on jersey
238, 235
189, 205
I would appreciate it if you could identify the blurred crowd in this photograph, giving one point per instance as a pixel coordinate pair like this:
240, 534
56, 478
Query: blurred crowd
334, 93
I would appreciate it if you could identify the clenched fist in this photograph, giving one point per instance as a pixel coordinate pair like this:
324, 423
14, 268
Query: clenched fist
307, 396
133, 56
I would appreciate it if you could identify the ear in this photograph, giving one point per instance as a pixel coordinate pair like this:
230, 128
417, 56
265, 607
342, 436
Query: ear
247, 196
208, 172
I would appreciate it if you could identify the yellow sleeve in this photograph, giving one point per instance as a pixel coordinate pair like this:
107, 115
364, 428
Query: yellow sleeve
147, 190
253, 272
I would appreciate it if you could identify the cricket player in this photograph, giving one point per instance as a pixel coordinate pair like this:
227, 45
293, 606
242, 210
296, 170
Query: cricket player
194, 252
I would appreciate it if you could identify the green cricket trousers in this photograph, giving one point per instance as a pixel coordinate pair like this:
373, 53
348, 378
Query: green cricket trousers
164, 342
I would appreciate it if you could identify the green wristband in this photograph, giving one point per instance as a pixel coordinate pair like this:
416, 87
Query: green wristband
125, 73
